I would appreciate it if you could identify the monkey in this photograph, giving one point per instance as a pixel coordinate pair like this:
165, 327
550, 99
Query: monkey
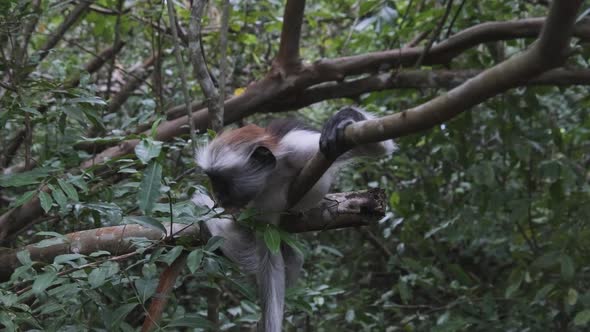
254, 167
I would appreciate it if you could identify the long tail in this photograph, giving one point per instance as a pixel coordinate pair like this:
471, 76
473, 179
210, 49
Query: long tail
253, 256
271, 287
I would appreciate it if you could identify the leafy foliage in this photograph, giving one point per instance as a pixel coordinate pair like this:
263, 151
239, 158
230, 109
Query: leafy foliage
487, 222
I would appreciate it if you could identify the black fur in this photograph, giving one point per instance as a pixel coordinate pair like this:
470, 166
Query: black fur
332, 143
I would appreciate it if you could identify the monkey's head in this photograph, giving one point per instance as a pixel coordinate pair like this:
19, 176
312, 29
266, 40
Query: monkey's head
238, 163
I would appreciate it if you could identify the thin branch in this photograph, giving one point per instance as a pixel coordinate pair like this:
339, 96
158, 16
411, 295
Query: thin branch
287, 59
222, 58
200, 68
80, 10
435, 34
28, 30
115, 42
454, 19
547, 53
180, 64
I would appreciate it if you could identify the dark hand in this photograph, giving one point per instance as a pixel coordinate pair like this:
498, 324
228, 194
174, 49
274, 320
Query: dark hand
332, 141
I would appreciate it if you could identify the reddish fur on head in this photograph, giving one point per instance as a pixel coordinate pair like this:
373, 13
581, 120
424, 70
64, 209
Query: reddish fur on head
247, 135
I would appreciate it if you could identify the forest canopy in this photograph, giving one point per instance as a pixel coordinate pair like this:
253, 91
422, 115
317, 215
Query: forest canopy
478, 221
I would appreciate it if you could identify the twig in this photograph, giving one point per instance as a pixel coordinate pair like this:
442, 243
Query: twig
200, 68
435, 34
68, 22
222, 60
182, 73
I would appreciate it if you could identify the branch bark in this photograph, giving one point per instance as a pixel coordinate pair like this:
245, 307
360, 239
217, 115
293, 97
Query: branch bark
200, 67
548, 52
287, 59
180, 64
339, 210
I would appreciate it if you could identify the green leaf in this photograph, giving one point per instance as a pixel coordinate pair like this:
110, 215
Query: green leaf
582, 318
193, 261
171, 255
66, 258
43, 281
97, 277
147, 150
59, 197
192, 321
88, 100
547, 260
572, 296
24, 257
46, 201
155, 125
120, 314
146, 288
69, 190
149, 189
567, 267
26, 178
214, 243
24, 198
272, 238
145, 221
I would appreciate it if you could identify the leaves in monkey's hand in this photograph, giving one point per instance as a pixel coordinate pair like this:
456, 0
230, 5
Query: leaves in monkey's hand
211, 133
148, 149
272, 238
149, 189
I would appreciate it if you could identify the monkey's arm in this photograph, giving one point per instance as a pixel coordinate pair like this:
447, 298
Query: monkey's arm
333, 144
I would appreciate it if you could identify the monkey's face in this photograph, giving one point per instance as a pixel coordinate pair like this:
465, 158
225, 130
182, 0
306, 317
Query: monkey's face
237, 185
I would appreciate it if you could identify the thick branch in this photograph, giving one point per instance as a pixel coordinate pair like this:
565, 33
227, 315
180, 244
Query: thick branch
336, 211
548, 52
288, 57
336, 69
413, 79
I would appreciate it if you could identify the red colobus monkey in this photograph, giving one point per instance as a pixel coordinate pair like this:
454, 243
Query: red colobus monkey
254, 167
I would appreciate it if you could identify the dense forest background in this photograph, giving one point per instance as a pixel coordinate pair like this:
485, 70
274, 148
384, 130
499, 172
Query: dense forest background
486, 225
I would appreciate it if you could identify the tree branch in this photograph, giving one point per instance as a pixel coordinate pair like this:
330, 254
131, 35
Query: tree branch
78, 11
200, 68
274, 87
287, 59
338, 210
547, 53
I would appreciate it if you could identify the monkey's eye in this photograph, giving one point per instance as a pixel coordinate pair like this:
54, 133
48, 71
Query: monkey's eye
263, 156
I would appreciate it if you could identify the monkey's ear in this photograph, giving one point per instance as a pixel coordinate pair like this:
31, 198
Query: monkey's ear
263, 156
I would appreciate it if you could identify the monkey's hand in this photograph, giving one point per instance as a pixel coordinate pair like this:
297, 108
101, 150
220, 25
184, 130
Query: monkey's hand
332, 140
